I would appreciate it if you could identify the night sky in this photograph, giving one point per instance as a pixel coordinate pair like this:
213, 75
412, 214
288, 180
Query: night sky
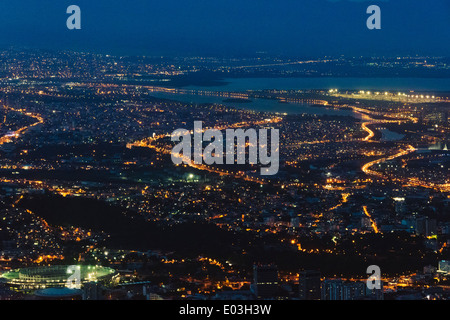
303, 28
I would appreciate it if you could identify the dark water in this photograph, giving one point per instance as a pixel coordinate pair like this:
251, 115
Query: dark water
260, 105
388, 135
244, 84
395, 84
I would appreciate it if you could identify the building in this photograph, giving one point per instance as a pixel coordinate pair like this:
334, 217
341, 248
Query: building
444, 266
265, 281
426, 226
34, 278
340, 290
401, 207
309, 285
354, 290
92, 291
332, 290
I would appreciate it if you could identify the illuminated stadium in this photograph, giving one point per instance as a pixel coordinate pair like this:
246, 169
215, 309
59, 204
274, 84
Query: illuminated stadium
54, 276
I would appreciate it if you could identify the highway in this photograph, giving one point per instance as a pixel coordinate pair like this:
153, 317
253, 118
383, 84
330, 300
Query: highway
14, 135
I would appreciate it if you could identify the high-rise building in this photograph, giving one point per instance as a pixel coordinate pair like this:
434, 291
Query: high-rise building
340, 290
92, 291
309, 285
354, 290
400, 206
444, 266
375, 294
332, 290
265, 281
426, 226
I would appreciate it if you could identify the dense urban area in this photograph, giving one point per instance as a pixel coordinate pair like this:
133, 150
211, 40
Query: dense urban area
86, 179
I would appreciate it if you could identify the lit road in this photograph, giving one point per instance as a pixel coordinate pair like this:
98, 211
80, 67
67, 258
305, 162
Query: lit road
148, 143
372, 221
9, 137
